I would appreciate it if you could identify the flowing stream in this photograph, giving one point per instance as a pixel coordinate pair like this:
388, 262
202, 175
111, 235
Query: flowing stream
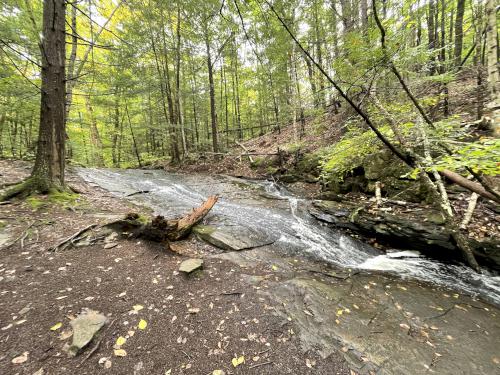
277, 215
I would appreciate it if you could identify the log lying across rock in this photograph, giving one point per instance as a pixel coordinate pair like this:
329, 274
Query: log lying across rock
160, 229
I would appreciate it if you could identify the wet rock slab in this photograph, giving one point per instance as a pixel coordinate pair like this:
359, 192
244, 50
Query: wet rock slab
422, 230
381, 324
232, 238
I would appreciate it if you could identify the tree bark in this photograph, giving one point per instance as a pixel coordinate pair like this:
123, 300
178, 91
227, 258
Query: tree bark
95, 138
459, 19
213, 111
493, 65
48, 171
116, 130
431, 35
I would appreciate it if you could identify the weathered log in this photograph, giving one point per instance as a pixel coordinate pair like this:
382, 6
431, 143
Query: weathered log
159, 228
470, 185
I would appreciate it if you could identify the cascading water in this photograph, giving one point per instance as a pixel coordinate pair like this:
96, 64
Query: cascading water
285, 221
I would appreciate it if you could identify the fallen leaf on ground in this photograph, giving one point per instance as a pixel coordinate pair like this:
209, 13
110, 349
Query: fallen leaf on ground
218, 372
138, 307
310, 363
56, 326
142, 324
236, 361
21, 359
120, 353
65, 335
121, 340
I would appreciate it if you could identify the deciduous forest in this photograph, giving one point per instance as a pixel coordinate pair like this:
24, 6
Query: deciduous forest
341, 144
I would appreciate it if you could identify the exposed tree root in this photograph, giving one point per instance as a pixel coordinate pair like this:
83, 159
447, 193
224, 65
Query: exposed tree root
32, 185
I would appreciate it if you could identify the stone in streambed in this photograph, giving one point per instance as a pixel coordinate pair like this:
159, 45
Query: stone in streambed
85, 327
191, 265
232, 238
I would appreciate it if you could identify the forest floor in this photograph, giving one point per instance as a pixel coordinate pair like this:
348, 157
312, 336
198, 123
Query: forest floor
195, 324
279, 313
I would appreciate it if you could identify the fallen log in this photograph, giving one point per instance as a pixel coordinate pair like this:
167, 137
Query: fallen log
160, 229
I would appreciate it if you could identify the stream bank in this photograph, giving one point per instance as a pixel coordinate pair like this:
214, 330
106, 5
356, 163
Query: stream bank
311, 293
385, 314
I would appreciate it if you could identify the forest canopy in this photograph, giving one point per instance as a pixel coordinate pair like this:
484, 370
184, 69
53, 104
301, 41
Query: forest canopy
150, 80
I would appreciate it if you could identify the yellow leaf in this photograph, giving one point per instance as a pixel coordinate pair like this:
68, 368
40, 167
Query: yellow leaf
56, 326
121, 340
120, 353
274, 268
238, 361
218, 372
339, 312
142, 324
138, 307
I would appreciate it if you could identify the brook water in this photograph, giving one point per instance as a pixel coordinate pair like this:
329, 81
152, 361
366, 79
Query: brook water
285, 221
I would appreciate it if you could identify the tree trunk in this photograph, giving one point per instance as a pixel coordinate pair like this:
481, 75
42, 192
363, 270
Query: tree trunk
493, 65
116, 130
136, 149
178, 106
2, 123
95, 138
431, 36
364, 15
319, 54
48, 171
237, 93
213, 111
347, 16
72, 59
492, 47
459, 19
85, 152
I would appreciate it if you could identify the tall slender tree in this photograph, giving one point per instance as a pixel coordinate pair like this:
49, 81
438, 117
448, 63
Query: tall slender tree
48, 171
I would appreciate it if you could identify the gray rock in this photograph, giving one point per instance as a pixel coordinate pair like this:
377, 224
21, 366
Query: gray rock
85, 327
232, 238
191, 265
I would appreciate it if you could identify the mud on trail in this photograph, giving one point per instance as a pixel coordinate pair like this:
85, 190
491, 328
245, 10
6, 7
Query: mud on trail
195, 324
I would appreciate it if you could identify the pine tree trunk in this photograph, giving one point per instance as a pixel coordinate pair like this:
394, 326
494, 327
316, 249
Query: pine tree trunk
48, 171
